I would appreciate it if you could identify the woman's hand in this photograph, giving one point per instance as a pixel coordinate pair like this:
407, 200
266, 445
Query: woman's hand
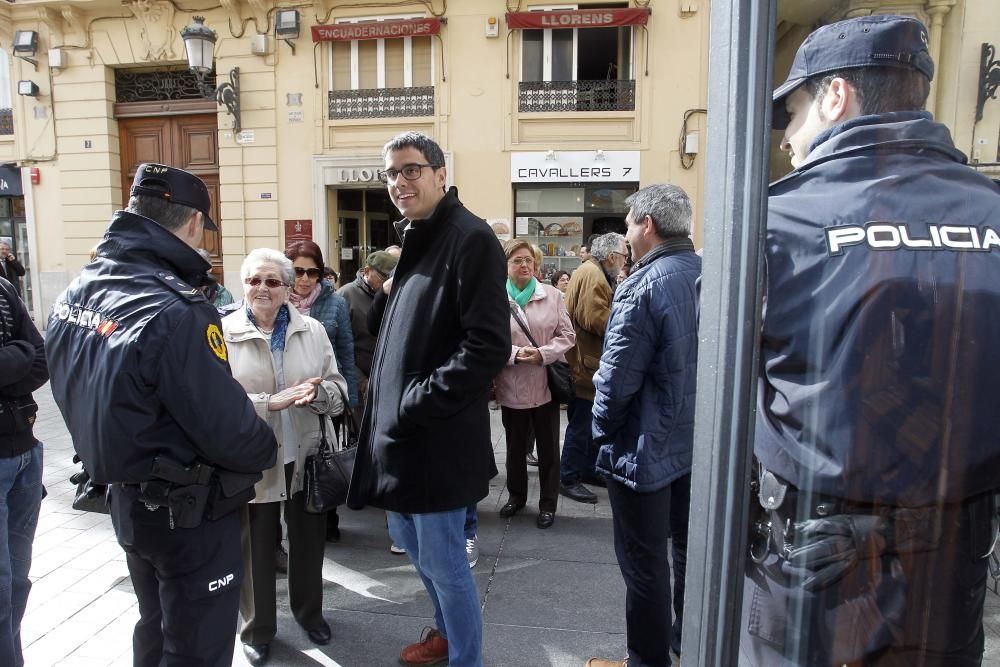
529, 355
300, 394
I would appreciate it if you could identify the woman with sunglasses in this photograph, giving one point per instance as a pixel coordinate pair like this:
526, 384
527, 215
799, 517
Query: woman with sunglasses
316, 297
285, 363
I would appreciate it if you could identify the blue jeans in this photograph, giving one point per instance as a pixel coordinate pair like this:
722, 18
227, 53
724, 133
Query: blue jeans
471, 521
435, 543
578, 454
20, 498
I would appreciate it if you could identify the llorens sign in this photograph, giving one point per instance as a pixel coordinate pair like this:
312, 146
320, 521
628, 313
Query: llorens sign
357, 175
579, 18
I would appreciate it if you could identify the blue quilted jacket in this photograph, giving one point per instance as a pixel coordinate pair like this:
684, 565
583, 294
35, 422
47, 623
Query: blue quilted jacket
645, 384
332, 311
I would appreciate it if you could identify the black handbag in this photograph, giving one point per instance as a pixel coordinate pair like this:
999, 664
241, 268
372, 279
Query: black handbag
328, 473
558, 373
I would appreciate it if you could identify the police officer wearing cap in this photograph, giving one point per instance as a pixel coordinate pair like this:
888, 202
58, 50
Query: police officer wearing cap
876, 430
140, 372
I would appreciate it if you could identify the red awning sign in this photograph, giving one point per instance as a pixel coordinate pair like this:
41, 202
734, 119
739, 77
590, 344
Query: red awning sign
579, 18
348, 32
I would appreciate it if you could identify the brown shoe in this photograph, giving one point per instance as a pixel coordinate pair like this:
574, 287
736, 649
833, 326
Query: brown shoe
601, 662
432, 649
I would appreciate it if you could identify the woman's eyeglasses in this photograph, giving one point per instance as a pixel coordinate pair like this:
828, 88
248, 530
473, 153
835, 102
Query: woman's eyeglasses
270, 282
312, 273
522, 261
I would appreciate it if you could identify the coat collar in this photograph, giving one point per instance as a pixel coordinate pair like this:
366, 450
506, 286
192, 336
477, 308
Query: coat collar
132, 236
241, 328
671, 246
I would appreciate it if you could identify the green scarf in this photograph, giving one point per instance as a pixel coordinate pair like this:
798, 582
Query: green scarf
521, 296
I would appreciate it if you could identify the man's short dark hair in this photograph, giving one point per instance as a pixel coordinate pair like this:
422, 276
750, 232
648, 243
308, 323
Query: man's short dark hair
170, 216
430, 149
880, 89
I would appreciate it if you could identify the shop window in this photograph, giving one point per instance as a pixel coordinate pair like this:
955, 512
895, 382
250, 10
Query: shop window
573, 69
559, 219
382, 78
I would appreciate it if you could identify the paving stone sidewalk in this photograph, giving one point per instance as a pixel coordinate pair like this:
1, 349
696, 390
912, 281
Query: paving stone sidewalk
552, 597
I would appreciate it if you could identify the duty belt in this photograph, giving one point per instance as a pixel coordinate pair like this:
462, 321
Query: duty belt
831, 535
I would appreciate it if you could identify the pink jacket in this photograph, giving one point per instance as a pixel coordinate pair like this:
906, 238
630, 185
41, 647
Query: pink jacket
524, 386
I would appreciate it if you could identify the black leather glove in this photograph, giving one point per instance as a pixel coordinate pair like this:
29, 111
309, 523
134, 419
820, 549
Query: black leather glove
829, 547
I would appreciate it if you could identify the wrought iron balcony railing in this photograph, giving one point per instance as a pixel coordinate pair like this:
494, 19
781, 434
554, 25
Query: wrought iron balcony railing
6, 121
600, 95
382, 102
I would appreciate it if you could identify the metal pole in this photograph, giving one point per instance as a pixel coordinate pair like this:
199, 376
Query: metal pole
739, 115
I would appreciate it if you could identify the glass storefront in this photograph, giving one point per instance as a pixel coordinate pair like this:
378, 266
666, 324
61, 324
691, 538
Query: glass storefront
364, 225
559, 218
14, 231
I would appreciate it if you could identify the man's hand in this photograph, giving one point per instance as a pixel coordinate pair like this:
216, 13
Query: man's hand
300, 394
529, 355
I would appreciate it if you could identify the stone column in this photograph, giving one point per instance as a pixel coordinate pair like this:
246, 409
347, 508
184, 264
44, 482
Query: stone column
937, 10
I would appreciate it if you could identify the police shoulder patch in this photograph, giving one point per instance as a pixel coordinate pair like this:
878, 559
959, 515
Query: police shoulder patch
179, 286
216, 343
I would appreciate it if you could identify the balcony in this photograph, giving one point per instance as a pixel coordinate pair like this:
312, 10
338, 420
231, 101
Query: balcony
6, 121
382, 103
601, 95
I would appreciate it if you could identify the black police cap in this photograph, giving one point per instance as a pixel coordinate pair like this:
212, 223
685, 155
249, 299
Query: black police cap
865, 41
174, 185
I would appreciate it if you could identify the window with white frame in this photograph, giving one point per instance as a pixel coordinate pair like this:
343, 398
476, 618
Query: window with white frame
6, 114
406, 62
576, 69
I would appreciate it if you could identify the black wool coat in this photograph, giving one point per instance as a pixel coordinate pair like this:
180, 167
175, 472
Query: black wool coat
425, 442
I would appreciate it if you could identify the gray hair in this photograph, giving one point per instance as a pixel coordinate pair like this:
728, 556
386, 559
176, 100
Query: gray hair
605, 244
430, 149
167, 214
271, 256
668, 206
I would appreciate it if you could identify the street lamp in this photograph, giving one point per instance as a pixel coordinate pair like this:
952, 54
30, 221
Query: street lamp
199, 42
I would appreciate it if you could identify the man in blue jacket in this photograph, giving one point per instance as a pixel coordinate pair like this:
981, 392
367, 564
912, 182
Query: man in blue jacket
644, 417
876, 425
22, 371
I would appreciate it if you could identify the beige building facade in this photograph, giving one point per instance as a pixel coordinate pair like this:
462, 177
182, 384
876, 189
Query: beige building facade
550, 113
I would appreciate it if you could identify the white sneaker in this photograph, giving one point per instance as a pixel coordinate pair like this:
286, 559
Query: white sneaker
472, 551
396, 550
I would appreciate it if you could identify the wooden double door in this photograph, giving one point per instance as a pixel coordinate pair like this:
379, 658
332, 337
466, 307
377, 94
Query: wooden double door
189, 142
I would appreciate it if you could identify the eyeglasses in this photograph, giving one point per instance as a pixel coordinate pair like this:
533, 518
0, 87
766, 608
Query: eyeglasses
615, 252
410, 172
270, 282
312, 273
521, 261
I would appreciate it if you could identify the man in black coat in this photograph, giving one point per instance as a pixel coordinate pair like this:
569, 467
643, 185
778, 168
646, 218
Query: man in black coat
22, 371
10, 268
425, 452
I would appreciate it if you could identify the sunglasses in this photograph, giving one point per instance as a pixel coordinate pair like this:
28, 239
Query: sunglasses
312, 273
270, 282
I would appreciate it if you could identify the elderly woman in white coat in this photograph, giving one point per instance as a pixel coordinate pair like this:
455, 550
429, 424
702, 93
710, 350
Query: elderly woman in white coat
286, 364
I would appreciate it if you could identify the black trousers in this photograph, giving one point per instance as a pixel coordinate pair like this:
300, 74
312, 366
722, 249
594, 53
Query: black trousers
187, 582
306, 544
520, 426
643, 523
921, 608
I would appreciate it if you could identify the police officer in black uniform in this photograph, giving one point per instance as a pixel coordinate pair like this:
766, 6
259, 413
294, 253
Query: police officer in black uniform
877, 425
140, 372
